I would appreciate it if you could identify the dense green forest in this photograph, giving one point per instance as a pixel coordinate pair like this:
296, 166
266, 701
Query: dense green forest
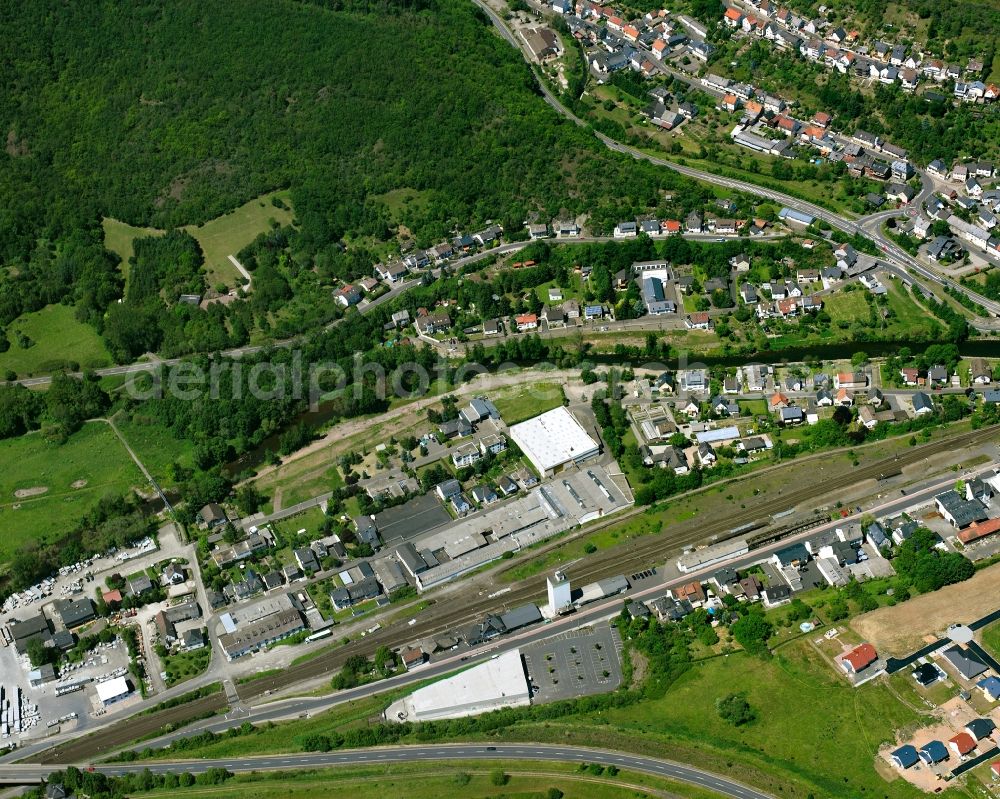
169, 114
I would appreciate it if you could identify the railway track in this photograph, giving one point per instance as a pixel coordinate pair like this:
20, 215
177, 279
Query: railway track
445, 616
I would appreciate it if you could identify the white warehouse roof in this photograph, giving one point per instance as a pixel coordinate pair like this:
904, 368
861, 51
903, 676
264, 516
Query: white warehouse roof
110, 690
497, 683
553, 439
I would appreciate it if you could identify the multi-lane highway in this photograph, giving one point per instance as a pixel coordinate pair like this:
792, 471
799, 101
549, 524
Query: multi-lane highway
22, 774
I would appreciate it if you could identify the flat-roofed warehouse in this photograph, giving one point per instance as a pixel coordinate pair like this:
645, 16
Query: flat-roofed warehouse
709, 556
553, 440
498, 683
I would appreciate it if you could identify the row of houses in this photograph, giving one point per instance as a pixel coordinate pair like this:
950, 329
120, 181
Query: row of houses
839, 49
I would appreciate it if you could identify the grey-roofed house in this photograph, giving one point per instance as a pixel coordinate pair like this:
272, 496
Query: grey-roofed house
367, 531
875, 534
140, 584
980, 728
76, 612
794, 555
965, 661
958, 511
520, 617
484, 495
412, 560
306, 559
791, 415
448, 489
922, 404
272, 580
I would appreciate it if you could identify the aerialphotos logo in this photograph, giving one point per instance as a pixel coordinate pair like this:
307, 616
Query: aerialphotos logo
286, 376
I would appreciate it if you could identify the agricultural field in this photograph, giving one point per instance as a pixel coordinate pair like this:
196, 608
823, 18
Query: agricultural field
57, 339
826, 744
46, 487
898, 630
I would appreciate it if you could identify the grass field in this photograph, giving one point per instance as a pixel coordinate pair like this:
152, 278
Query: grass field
814, 734
59, 339
157, 447
228, 234
185, 665
472, 779
219, 238
118, 238
523, 402
991, 639
825, 743
849, 306
94, 455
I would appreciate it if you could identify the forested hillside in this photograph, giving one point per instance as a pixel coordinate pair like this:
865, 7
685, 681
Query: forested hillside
171, 113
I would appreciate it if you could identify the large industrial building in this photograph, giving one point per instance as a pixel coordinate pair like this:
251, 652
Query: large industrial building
498, 683
554, 439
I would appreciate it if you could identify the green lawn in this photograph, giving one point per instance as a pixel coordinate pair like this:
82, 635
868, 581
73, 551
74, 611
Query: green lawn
219, 238
59, 339
991, 639
228, 234
185, 665
309, 520
157, 447
814, 731
523, 402
94, 454
754, 407
849, 306
908, 312
118, 237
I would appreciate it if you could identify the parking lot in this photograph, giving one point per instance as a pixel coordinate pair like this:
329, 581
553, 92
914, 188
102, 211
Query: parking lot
578, 663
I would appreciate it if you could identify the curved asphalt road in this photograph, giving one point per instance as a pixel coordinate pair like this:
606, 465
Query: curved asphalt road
405, 754
890, 250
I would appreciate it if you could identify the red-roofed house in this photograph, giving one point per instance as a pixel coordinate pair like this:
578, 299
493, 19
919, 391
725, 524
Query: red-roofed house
670, 227
778, 401
859, 658
730, 102
821, 118
699, 321
692, 592
979, 530
112, 598
659, 48
788, 307
630, 32
733, 17
962, 744
995, 768
527, 321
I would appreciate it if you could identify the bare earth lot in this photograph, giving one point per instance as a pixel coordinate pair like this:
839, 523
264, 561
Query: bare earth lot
900, 629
